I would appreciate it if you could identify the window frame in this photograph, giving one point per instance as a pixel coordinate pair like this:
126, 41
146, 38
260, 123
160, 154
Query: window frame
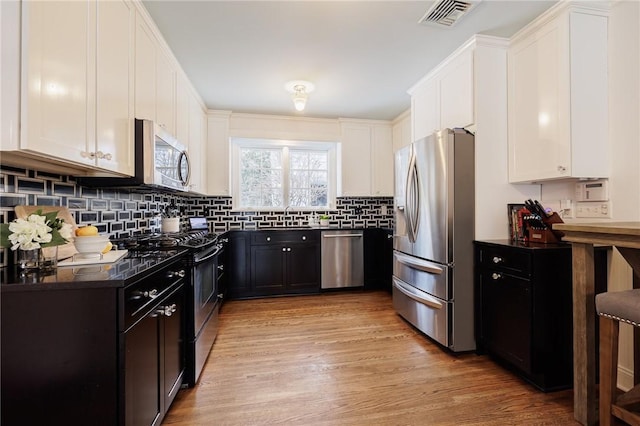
266, 143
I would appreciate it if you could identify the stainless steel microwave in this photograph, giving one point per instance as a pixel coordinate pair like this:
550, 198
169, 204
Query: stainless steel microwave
160, 162
166, 162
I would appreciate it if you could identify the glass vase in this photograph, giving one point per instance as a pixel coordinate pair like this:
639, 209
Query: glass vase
49, 258
28, 260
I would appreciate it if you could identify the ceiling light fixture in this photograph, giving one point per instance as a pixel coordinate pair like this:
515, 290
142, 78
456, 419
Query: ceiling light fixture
300, 90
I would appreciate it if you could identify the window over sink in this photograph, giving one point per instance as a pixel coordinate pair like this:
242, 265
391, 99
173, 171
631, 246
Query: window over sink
269, 174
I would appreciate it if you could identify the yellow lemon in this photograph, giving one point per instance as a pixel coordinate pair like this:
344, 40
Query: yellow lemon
86, 231
107, 248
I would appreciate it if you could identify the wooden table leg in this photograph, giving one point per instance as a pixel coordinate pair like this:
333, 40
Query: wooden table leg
584, 348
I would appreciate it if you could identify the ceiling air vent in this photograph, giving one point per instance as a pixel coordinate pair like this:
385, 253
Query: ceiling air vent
445, 13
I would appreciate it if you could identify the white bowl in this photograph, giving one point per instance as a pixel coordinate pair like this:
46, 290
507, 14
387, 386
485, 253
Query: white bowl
92, 244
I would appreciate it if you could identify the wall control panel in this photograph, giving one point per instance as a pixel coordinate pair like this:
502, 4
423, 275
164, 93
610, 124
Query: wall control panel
593, 209
593, 190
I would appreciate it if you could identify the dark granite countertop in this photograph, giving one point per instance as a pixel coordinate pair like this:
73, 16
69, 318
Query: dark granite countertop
117, 274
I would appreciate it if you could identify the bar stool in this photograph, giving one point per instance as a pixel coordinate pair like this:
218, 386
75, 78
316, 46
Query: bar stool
613, 308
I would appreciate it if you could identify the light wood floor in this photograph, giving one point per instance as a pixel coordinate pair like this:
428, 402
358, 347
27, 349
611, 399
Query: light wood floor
348, 359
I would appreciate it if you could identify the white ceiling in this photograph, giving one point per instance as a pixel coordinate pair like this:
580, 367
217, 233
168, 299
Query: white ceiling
362, 56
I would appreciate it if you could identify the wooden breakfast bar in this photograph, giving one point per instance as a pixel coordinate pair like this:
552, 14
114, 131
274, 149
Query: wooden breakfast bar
625, 236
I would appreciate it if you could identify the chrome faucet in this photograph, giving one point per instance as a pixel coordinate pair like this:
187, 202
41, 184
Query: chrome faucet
286, 210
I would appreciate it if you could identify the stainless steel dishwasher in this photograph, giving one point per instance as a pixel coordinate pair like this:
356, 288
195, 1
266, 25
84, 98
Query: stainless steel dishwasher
342, 259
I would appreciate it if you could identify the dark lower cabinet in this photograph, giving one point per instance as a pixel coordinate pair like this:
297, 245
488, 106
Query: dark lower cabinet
236, 282
378, 259
154, 362
68, 358
284, 262
59, 357
142, 381
524, 308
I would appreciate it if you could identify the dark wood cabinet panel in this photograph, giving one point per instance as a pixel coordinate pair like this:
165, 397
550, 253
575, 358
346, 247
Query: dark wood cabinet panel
378, 258
524, 308
172, 347
236, 282
506, 305
303, 267
270, 263
142, 364
267, 268
59, 357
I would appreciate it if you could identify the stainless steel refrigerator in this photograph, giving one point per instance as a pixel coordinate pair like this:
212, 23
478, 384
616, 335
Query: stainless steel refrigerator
433, 237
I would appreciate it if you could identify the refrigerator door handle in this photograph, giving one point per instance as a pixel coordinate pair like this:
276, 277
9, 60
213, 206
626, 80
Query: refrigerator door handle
412, 197
421, 265
425, 299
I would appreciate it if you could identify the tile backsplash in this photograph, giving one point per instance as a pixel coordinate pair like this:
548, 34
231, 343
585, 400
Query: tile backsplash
121, 212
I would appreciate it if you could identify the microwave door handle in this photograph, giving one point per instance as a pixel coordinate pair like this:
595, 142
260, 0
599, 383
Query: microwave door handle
184, 180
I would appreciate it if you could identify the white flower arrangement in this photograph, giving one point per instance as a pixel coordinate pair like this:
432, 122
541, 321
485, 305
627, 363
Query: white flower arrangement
36, 231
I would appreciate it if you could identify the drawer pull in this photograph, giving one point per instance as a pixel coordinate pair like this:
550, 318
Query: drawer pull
497, 260
496, 276
268, 238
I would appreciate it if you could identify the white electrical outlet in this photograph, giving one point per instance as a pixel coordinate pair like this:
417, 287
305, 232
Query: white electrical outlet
593, 209
566, 209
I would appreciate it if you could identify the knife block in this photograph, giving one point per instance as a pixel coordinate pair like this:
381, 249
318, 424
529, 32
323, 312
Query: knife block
542, 236
546, 235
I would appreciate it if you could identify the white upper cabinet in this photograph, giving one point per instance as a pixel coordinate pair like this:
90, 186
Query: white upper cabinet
402, 131
217, 153
425, 111
367, 158
558, 102
197, 146
165, 92
114, 82
456, 92
356, 159
183, 110
382, 161
57, 76
145, 71
76, 81
155, 80
444, 98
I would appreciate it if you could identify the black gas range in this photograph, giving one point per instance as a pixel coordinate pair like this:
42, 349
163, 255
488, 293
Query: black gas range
203, 271
151, 245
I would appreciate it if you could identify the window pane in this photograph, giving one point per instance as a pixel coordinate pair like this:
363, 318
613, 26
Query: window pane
318, 161
299, 159
260, 177
308, 178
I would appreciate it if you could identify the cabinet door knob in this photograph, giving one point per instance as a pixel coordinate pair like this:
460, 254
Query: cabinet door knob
496, 276
284, 249
497, 259
288, 248
268, 238
304, 237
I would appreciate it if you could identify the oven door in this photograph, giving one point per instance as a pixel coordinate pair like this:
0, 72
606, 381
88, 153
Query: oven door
205, 292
